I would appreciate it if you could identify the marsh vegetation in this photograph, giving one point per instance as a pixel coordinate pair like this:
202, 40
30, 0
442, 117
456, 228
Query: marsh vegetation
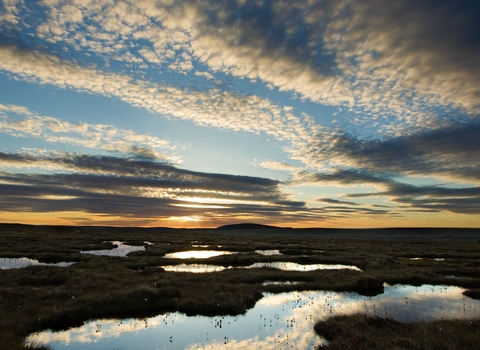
37, 298
277, 321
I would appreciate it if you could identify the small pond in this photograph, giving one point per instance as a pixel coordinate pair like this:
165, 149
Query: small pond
196, 244
194, 268
277, 321
197, 254
17, 263
284, 266
281, 283
268, 252
121, 250
290, 266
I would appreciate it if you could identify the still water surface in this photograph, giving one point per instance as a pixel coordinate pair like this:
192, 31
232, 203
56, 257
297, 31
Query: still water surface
278, 321
194, 268
121, 250
268, 252
17, 263
196, 254
280, 265
291, 266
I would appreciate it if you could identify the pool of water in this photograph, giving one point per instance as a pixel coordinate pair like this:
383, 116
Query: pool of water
121, 250
290, 266
194, 268
268, 252
281, 283
17, 263
278, 321
284, 266
196, 254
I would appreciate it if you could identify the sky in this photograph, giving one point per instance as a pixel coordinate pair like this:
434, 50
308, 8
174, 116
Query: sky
201, 113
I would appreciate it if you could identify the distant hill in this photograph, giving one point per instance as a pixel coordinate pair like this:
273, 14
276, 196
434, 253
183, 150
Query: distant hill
248, 226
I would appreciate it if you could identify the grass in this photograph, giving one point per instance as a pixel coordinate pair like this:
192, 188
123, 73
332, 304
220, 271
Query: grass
472, 293
41, 297
361, 332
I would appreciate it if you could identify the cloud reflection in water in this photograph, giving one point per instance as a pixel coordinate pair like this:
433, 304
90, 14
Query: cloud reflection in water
121, 250
290, 266
196, 254
276, 321
268, 252
194, 268
17, 263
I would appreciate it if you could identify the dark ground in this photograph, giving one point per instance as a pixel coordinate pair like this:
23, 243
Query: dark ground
40, 297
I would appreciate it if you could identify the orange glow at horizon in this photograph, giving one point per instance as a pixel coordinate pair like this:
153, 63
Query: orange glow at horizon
198, 221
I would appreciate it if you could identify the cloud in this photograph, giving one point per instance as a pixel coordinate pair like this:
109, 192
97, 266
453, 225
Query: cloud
404, 197
206, 75
331, 52
405, 71
274, 165
404, 190
341, 177
334, 201
135, 167
9, 12
426, 50
347, 211
97, 136
265, 41
327, 51
137, 187
215, 108
449, 152
430, 198
113, 186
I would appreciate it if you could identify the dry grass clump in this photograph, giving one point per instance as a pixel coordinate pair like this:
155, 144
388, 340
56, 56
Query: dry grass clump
472, 293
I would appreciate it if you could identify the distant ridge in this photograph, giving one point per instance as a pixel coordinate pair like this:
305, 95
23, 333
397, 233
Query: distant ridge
248, 226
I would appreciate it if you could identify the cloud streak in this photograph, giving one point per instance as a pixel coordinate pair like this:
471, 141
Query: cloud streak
450, 152
431, 198
403, 197
97, 136
133, 187
113, 186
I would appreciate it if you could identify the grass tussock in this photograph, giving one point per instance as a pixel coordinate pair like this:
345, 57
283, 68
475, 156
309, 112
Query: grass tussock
472, 293
370, 333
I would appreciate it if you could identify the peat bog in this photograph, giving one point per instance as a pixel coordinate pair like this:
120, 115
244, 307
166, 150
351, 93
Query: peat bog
277, 321
37, 298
